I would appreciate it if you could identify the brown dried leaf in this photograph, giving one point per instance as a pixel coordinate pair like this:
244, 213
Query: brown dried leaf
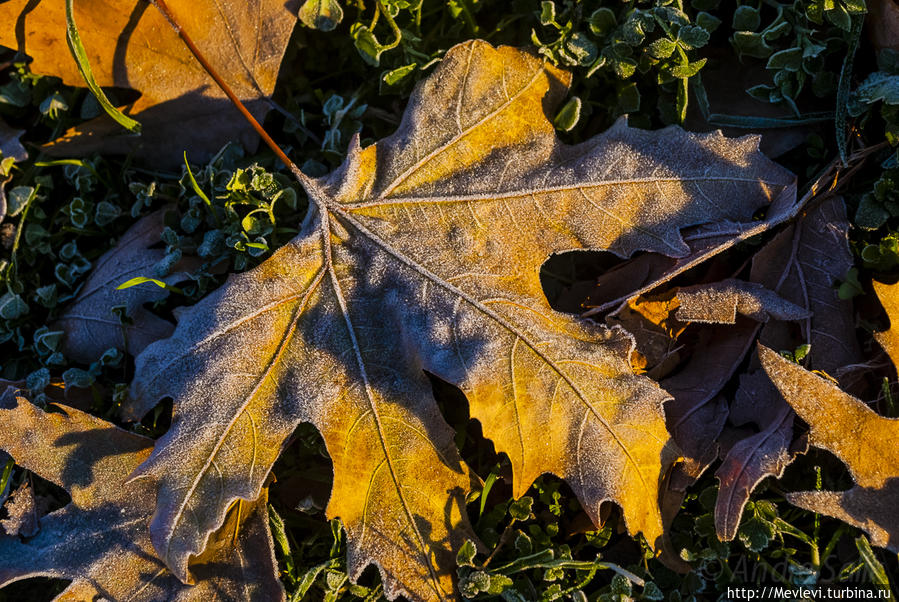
720, 302
646, 272
696, 414
101, 539
650, 320
423, 252
862, 439
751, 459
10, 146
89, 323
130, 45
802, 264
883, 24
23, 511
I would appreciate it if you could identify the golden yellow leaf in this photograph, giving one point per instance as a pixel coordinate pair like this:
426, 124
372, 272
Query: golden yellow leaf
862, 439
130, 45
101, 541
422, 252
889, 339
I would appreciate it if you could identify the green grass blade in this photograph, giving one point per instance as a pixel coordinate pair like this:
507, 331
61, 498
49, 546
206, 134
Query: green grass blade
144, 280
80, 56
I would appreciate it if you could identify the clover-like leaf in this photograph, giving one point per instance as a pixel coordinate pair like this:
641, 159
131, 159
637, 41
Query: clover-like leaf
422, 252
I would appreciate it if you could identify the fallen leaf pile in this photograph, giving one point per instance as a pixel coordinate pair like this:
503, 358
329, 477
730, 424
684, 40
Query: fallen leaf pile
422, 252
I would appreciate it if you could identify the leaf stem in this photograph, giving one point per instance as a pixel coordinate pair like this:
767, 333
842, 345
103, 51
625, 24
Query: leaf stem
15, 245
397, 34
163, 8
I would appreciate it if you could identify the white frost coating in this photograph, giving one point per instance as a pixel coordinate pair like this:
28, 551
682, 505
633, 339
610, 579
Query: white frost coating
423, 252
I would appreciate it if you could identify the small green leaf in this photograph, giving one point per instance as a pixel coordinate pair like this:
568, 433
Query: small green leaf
144, 280
323, 15
788, 60
691, 36
582, 49
474, 583
601, 21
801, 352
839, 16
12, 306
746, 18
368, 45
17, 198
879, 87
751, 44
873, 566
520, 509
708, 21
465, 555
547, 13
568, 115
688, 70
651, 591
661, 48
624, 67
395, 76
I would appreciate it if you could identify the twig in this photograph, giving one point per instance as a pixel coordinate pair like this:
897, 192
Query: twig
164, 9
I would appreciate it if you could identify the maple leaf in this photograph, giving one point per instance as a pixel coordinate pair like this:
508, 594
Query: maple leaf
90, 325
862, 439
422, 252
131, 45
101, 540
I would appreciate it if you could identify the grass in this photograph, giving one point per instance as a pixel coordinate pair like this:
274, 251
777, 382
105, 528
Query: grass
641, 59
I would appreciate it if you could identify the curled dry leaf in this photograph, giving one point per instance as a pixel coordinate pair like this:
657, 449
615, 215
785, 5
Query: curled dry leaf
101, 540
132, 46
802, 264
697, 412
750, 459
862, 439
720, 302
423, 252
705, 240
651, 320
23, 511
90, 325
